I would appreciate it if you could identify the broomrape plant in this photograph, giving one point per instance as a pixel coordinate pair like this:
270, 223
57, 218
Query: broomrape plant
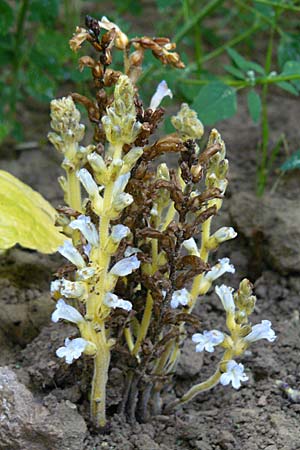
138, 233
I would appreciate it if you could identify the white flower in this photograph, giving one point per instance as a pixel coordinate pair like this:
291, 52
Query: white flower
72, 254
66, 312
87, 228
191, 246
162, 91
69, 289
219, 269
125, 266
88, 182
262, 330
119, 232
72, 349
122, 200
234, 374
226, 297
113, 301
224, 234
180, 297
131, 251
85, 274
120, 183
208, 340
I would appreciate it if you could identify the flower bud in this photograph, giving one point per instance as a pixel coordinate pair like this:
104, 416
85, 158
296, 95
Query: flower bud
187, 123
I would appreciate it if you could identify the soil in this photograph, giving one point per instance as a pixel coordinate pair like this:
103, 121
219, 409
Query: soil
258, 416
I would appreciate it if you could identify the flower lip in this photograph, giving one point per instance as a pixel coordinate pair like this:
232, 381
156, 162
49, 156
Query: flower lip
234, 374
113, 301
88, 182
262, 330
119, 232
125, 266
87, 228
162, 91
208, 340
72, 349
180, 297
219, 269
66, 312
226, 297
72, 254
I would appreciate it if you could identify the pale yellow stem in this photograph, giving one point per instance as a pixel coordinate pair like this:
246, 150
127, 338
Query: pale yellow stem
98, 394
201, 387
145, 324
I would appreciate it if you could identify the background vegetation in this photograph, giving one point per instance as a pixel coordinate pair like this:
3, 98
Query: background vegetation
228, 47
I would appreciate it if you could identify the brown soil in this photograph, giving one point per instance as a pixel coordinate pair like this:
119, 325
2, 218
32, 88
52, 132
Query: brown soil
258, 416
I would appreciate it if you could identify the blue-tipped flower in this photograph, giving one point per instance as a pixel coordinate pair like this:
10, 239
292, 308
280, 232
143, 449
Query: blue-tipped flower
72, 349
87, 228
208, 340
180, 297
262, 330
72, 254
234, 374
88, 182
119, 232
113, 301
125, 266
219, 269
66, 312
226, 297
161, 92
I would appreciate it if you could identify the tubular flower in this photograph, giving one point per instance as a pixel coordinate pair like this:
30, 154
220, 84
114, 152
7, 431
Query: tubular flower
69, 289
208, 340
113, 301
87, 228
72, 254
225, 295
162, 91
125, 266
180, 297
72, 349
66, 312
88, 182
262, 330
219, 269
234, 374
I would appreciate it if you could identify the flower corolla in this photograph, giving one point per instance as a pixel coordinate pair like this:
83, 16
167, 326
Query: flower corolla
162, 91
125, 266
66, 312
180, 297
113, 301
234, 374
208, 340
225, 295
72, 349
262, 330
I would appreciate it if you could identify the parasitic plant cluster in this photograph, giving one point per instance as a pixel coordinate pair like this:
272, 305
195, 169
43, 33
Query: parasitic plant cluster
138, 233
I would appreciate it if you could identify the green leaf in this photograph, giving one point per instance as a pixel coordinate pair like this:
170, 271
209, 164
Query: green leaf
288, 87
291, 163
288, 49
291, 68
6, 17
254, 105
235, 72
39, 85
243, 64
215, 102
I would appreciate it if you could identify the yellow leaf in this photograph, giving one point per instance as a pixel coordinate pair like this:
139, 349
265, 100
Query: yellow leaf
26, 218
